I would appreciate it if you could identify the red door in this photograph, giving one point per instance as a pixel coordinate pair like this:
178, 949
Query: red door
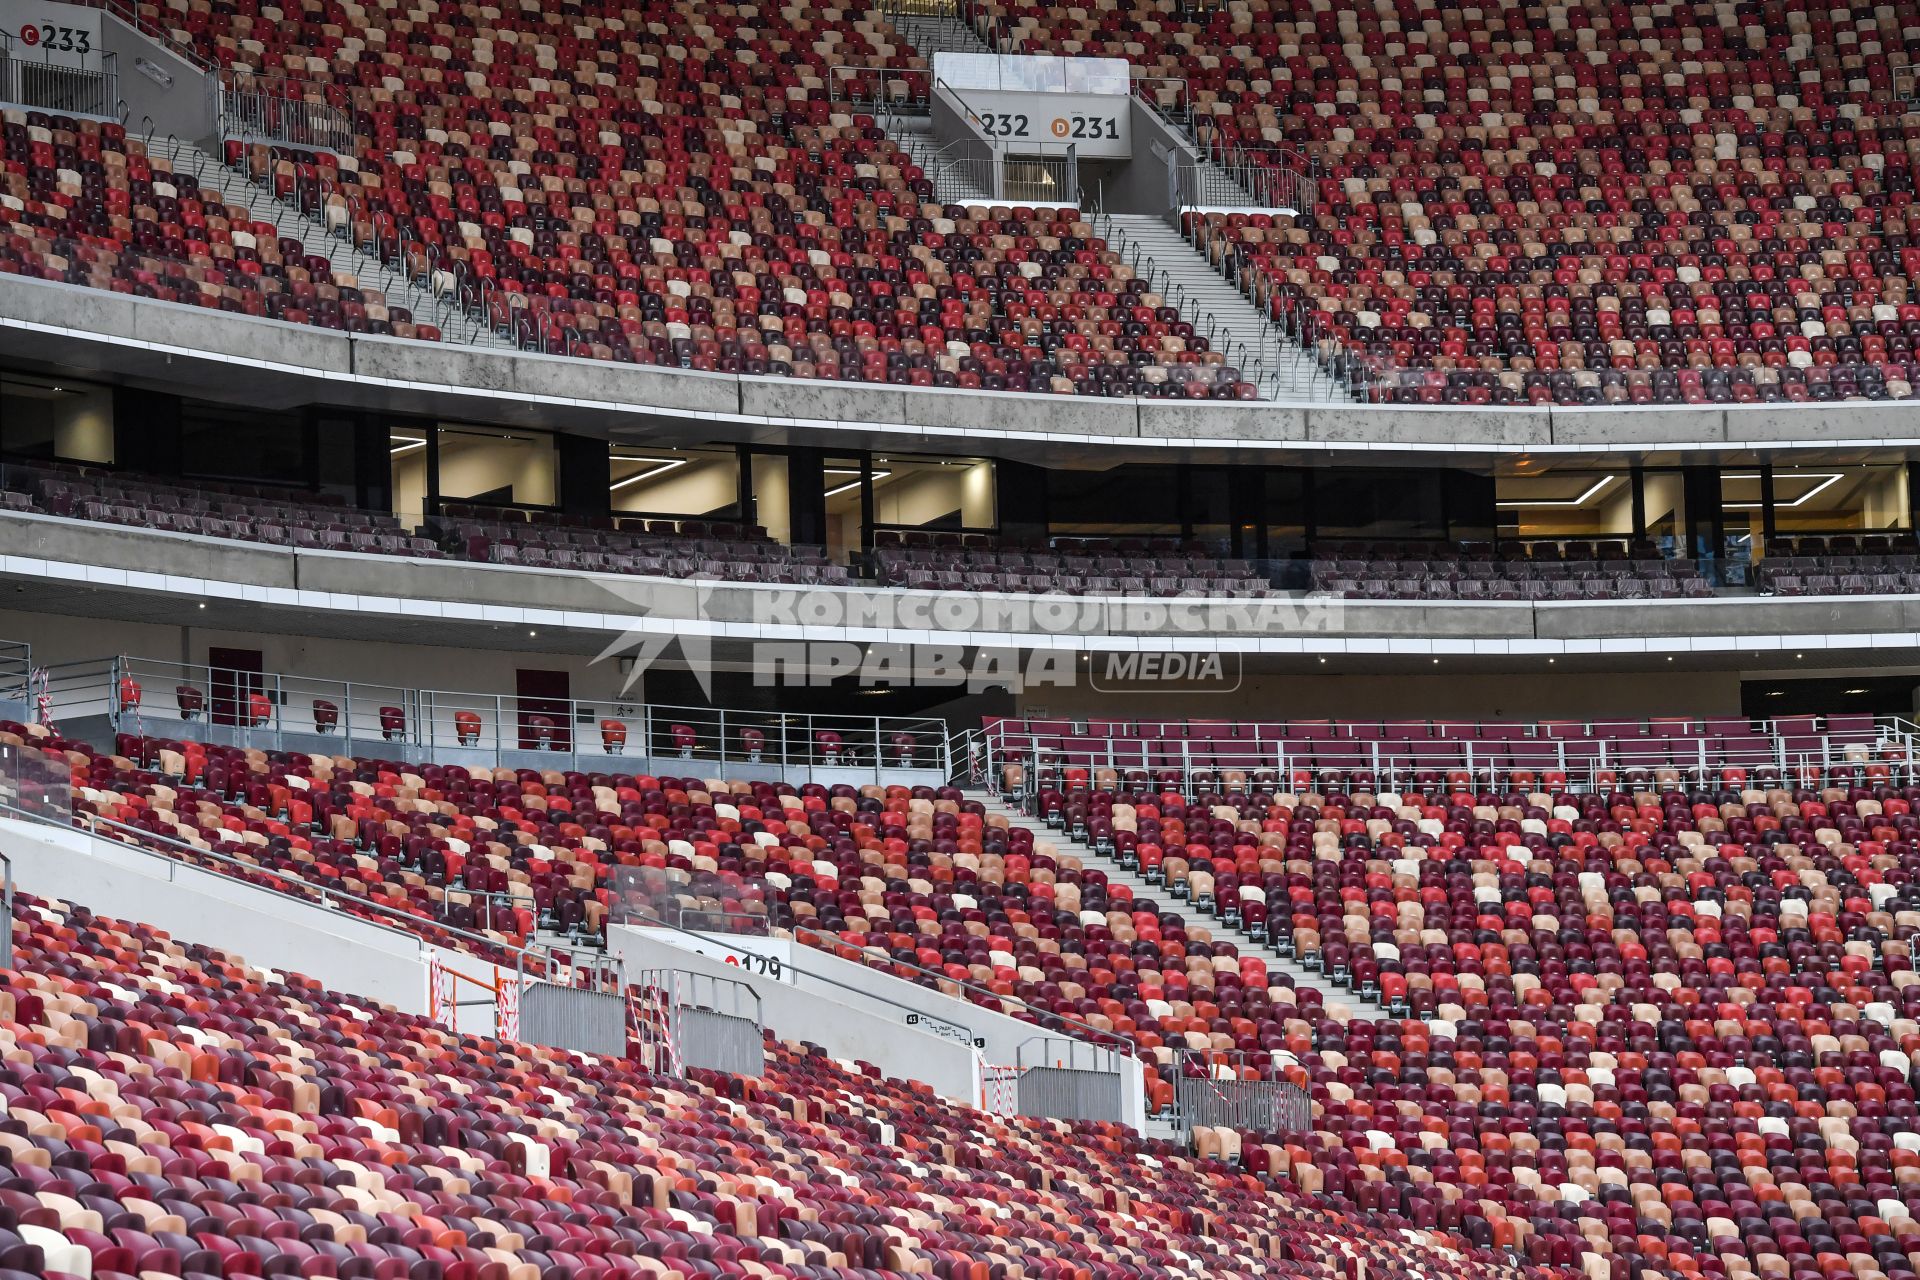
546, 695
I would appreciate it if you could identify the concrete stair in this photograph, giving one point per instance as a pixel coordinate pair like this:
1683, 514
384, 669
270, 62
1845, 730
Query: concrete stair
1285, 968
1216, 309
315, 239
938, 33
914, 135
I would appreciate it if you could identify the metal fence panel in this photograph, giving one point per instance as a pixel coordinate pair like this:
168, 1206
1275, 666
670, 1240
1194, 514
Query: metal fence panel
572, 1019
715, 1041
1066, 1093
684, 1020
1253, 1106
69, 90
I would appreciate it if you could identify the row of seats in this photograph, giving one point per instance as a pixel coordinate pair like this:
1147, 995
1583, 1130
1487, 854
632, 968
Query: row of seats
84, 204
1670, 1028
659, 549
1573, 585
1875, 564
318, 522
1582, 204
1584, 981
314, 521
1169, 736
1069, 566
1555, 569
174, 1111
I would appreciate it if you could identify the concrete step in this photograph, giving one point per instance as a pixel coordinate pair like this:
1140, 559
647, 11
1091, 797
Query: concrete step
1217, 309
1287, 969
915, 137
316, 240
930, 35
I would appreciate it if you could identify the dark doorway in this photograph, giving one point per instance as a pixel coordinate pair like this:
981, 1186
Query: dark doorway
235, 678
546, 694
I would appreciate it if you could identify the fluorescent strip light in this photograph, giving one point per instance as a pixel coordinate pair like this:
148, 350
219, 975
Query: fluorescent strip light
1827, 481
396, 450
666, 465
851, 484
1599, 484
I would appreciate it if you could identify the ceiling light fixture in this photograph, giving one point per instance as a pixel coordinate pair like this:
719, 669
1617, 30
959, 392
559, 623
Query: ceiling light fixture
1827, 480
837, 490
664, 465
1598, 485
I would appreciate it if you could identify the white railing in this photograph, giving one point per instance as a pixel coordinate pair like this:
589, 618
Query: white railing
277, 711
1022, 755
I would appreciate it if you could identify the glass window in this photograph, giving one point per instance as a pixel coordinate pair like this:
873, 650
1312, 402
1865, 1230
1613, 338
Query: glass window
840, 481
47, 418
1826, 499
1379, 504
1130, 501
702, 483
238, 443
407, 467
1283, 506
1664, 497
933, 493
1565, 504
1210, 506
772, 500
506, 468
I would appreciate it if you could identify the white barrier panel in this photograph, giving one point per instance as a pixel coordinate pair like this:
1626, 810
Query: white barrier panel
826, 1017
60, 35
1097, 126
758, 957
268, 929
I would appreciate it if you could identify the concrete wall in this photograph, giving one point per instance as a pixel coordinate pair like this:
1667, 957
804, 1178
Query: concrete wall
460, 621
1141, 185
346, 953
176, 101
705, 484
920, 497
240, 359
473, 463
